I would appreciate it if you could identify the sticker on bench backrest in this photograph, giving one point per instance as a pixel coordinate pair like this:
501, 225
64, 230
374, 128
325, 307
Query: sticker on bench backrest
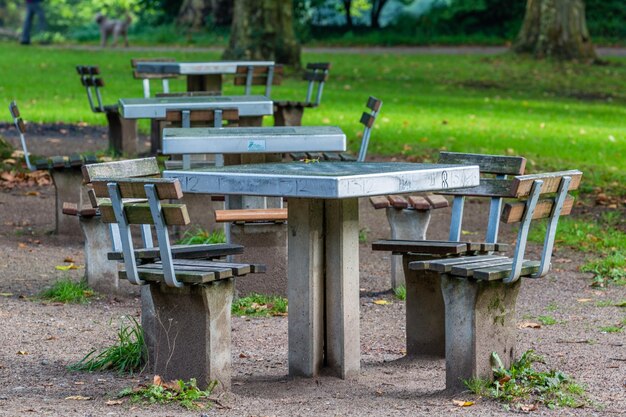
256, 145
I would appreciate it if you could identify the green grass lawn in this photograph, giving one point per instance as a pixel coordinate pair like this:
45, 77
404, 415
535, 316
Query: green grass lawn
559, 116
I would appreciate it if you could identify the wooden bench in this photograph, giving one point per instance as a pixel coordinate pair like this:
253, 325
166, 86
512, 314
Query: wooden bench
425, 317
267, 75
102, 241
480, 292
190, 299
145, 77
66, 177
289, 113
242, 216
122, 132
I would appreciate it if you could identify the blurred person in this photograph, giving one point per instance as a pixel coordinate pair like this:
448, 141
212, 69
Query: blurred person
33, 7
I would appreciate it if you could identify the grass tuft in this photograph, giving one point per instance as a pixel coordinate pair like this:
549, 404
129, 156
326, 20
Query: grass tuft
128, 355
186, 394
260, 305
200, 236
547, 320
68, 291
523, 384
400, 292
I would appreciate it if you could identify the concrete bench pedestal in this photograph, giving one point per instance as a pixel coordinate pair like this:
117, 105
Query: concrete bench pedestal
480, 319
68, 184
101, 273
123, 138
405, 224
267, 244
188, 332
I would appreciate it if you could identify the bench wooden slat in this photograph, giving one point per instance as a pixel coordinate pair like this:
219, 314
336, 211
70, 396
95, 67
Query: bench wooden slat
523, 183
468, 270
187, 277
58, 162
167, 188
212, 250
259, 76
431, 247
122, 169
219, 271
488, 187
503, 271
489, 164
347, 157
445, 265
373, 103
202, 115
298, 156
437, 201
380, 202
398, 201
331, 156
419, 202
367, 120
139, 213
251, 215
71, 209
237, 269
513, 212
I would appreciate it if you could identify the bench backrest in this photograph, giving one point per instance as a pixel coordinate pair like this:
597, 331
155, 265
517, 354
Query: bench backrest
138, 201
21, 128
367, 120
538, 196
496, 165
147, 76
266, 75
89, 78
316, 72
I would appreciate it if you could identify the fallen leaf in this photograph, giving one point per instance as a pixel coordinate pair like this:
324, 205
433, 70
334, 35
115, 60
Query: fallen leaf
79, 383
381, 302
22, 245
66, 267
584, 300
461, 403
114, 402
157, 380
528, 407
22, 352
6, 294
243, 355
33, 193
529, 325
77, 398
68, 260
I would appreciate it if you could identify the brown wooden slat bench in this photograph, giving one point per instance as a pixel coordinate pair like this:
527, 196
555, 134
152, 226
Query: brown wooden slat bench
190, 299
425, 318
66, 175
480, 292
289, 113
267, 75
123, 138
241, 216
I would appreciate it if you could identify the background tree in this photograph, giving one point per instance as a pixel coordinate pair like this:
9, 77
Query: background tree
555, 29
196, 14
263, 30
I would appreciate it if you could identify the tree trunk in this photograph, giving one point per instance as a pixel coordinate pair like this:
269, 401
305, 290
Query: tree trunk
377, 7
555, 29
192, 14
347, 4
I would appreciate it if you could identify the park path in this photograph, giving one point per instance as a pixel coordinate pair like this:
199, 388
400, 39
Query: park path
401, 50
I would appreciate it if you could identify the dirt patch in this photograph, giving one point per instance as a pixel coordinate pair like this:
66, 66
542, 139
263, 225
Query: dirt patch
40, 339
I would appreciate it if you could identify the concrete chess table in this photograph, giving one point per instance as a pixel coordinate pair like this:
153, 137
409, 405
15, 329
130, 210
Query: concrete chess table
201, 76
323, 242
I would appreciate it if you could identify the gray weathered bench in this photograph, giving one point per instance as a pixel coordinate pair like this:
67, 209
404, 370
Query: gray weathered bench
66, 176
266, 75
191, 299
480, 291
123, 138
424, 302
289, 113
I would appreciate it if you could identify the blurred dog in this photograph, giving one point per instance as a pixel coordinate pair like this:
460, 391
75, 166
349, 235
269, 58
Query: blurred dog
112, 28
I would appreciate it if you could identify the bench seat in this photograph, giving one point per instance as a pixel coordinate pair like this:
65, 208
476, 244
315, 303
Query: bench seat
436, 247
214, 250
277, 215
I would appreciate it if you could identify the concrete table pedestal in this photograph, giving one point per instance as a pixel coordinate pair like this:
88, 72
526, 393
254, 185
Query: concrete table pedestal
68, 184
101, 273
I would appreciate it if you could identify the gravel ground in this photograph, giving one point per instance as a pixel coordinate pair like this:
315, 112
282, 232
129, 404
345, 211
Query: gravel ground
39, 339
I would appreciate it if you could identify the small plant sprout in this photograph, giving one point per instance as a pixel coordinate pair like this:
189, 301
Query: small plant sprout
260, 305
68, 291
128, 355
186, 394
521, 385
363, 234
200, 236
547, 320
400, 292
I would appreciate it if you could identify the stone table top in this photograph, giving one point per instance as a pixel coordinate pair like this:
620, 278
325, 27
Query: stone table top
325, 180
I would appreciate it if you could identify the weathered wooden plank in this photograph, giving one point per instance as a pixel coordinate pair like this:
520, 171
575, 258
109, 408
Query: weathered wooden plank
220, 272
367, 120
58, 162
373, 103
319, 66
87, 211
122, 169
202, 115
238, 269
139, 213
260, 74
489, 164
551, 180
445, 265
380, 202
488, 187
216, 250
251, 215
187, 277
70, 209
331, 156
503, 271
467, 270
437, 201
397, 201
418, 202
298, 156
513, 212
167, 188
347, 157
416, 246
